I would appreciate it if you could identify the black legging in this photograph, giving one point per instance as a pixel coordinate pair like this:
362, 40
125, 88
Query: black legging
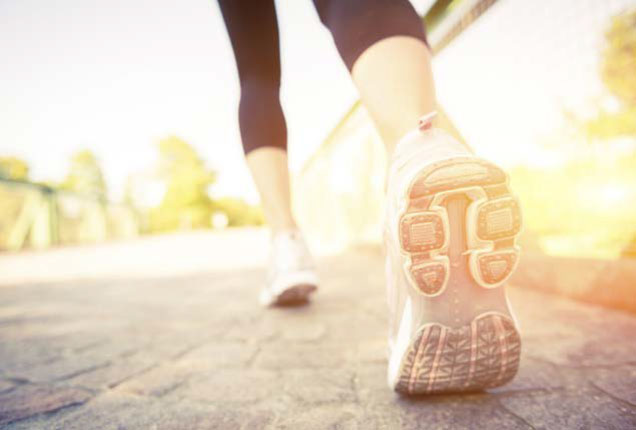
354, 24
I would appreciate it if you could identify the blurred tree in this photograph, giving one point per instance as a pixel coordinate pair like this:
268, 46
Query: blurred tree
185, 203
14, 168
619, 58
85, 175
238, 212
618, 71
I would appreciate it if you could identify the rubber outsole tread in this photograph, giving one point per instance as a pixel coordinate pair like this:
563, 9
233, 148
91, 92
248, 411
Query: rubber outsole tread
484, 354
296, 295
457, 235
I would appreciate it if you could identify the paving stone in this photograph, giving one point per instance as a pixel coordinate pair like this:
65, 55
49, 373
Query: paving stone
21, 354
29, 400
321, 417
62, 368
577, 409
372, 351
457, 412
354, 326
218, 355
232, 386
381, 416
305, 331
384, 409
276, 356
6, 385
533, 375
157, 381
619, 382
198, 352
116, 411
583, 351
251, 330
371, 385
112, 374
319, 385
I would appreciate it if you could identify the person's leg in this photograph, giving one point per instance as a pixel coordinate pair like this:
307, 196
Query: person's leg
383, 44
396, 97
451, 221
269, 169
253, 32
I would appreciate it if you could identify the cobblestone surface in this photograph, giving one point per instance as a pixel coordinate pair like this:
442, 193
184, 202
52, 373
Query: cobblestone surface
197, 352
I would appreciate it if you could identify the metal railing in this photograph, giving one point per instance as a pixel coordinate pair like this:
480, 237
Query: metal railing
38, 216
339, 192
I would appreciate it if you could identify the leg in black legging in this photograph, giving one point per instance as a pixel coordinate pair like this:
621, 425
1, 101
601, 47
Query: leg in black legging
357, 24
383, 44
253, 31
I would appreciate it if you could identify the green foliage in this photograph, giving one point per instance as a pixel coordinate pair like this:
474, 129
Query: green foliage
585, 207
85, 175
607, 125
238, 212
186, 203
618, 72
14, 168
619, 58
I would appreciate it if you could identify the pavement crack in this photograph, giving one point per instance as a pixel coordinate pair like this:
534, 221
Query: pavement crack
353, 383
83, 371
134, 375
515, 415
252, 358
612, 396
48, 413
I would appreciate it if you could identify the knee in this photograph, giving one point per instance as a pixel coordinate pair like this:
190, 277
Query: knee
355, 25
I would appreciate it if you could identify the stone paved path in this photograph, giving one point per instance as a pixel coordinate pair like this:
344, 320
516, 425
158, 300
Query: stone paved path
196, 352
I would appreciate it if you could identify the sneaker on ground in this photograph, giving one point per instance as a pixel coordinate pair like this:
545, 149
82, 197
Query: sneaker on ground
292, 275
450, 233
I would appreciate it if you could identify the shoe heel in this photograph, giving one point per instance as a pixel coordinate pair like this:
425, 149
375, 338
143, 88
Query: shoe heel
440, 359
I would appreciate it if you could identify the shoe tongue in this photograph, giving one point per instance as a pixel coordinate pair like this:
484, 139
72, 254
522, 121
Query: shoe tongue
289, 250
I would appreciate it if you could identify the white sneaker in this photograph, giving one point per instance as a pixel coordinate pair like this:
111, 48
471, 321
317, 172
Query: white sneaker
292, 275
450, 233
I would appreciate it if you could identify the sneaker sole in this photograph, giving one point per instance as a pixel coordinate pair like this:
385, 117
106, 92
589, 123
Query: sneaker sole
296, 295
457, 235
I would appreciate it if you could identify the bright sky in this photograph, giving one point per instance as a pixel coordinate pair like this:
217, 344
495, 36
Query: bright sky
115, 76
510, 77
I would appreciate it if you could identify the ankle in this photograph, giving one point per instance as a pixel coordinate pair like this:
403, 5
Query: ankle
283, 228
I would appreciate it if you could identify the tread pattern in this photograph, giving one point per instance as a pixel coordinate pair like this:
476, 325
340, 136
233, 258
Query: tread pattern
423, 233
440, 359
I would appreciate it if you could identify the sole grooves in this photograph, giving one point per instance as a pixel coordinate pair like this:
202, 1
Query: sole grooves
484, 354
457, 237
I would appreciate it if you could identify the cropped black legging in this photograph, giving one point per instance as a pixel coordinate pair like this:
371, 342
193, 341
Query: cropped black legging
253, 29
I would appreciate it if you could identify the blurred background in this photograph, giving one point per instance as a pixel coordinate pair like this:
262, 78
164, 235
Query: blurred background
119, 119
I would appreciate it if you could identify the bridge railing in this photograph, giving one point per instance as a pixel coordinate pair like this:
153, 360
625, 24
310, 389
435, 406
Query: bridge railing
37, 216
